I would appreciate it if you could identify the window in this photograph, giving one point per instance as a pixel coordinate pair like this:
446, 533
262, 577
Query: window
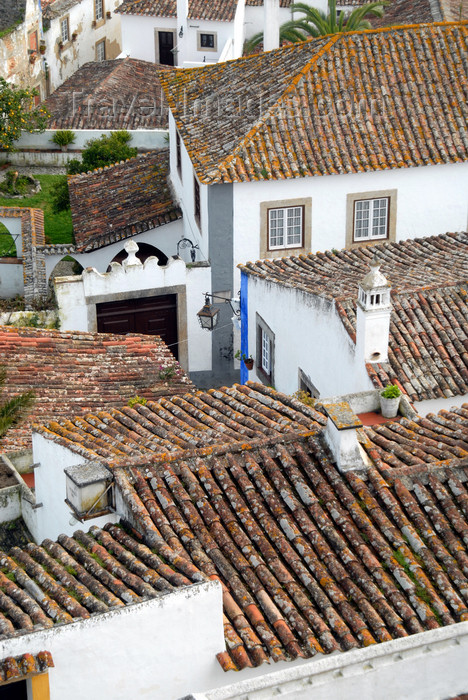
178, 154
371, 218
285, 227
32, 41
207, 41
265, 351
101, 51
99, 10
64, 30
196, 201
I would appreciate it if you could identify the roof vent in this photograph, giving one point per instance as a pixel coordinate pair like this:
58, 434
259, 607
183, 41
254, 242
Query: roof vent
340, 436
89, 490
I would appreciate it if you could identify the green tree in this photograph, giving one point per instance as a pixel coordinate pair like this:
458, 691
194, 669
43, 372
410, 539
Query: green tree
18, 113
104, 151
98, 153
13, 410
316, 23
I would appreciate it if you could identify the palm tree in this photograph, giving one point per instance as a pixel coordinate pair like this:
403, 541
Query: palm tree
316, 23
13, 410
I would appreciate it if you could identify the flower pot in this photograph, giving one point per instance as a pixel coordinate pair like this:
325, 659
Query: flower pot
249, 363
389, 407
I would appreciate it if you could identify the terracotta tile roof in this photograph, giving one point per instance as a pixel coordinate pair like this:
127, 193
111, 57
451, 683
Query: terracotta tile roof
18, 667
429, 325
55, 8
114, 203
410, 12
278, 112
73, 373
200, 423
217, 10
310, 560
119, 94
153, 8
420, 447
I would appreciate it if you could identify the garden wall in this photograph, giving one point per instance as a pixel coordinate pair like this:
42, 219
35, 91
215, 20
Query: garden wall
11, 277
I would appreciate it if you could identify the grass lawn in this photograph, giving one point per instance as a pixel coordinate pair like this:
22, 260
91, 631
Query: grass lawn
57, 227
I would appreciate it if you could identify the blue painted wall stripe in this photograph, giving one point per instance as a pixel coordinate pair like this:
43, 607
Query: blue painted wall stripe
244, 315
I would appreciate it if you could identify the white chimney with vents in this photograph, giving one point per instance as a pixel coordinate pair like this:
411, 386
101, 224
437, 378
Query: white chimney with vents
271, 23
373, 312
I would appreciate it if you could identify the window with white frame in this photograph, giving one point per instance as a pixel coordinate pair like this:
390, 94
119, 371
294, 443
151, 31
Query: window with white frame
64, 30
101, 51
285, 227
371, 218
265, 351
99, 9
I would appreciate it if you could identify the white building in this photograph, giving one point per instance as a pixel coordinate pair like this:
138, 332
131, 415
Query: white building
76, 32
320, 324
283, 153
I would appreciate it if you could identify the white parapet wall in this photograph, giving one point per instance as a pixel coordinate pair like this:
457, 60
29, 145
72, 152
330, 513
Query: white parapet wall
156, 649
426, 666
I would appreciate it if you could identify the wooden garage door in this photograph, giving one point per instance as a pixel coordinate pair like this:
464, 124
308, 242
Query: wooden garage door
151, 315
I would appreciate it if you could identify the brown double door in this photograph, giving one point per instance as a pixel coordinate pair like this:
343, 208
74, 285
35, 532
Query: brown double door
151, 316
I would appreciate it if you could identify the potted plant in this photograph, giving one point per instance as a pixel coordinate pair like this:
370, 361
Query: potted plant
63, 138
248, 361
390, 400
42, 48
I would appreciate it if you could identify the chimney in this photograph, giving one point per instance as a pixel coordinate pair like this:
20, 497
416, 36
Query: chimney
340, 436
271, 24
373, 316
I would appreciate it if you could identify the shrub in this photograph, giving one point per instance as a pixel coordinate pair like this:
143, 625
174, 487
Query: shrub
60, 196
63, 137
391, 391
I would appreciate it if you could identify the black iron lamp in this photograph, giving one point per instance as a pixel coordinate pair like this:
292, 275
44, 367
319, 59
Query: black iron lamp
208, 315
181, 32
187, 243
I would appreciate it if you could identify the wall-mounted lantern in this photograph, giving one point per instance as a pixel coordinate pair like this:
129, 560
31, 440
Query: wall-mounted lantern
181, 32
187, 243
208, 315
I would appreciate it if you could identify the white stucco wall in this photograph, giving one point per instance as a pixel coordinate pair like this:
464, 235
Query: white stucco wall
77, 297
426, 666
254, 16
308, 335
138, 39
430, 200
11, 278
156, 649
436, 405
141, 138
10, 503
52, 518
63, 63
183, 185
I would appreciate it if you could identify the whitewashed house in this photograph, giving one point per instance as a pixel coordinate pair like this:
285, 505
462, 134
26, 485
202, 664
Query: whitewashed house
21, 60
340, 142
328, 324
76, 32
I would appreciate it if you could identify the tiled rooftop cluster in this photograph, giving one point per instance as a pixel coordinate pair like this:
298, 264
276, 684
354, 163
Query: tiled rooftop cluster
410, 12
114, 203
428, 350
73, 373
200, 423
54, 8
119, 94
280, 114
236, 485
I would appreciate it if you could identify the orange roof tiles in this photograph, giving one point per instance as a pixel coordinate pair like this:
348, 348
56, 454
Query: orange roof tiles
74, 373
428, 347
114, 203
217, 10
280, 114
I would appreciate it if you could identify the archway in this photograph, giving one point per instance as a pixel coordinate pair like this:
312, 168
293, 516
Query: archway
145, 251
7, 243
65, 267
